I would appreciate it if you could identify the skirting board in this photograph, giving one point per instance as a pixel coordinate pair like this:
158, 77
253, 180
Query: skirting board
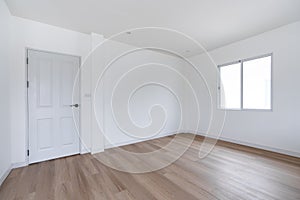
276, 150
137, 141
5, 174
85, 151
20, 164
94, 151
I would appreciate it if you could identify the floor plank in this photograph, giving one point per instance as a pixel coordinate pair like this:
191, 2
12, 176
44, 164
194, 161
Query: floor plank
230, 172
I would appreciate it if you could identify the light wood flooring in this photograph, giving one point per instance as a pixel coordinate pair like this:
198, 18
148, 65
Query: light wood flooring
230, 172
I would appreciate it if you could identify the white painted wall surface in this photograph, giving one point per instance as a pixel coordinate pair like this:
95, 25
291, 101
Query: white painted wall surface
278, 130
97, 139
30, 34
141, 102
87, 116
5, 133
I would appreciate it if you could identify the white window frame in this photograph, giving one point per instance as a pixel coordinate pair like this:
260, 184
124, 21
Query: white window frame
242, 84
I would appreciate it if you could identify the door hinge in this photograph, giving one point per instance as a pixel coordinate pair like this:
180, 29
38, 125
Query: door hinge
28, 152
27, 61
27, 84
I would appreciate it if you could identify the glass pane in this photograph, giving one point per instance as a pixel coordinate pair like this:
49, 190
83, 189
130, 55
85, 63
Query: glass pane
257, 83
230, 86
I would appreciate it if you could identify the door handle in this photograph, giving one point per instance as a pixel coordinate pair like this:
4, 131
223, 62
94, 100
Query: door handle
75, 105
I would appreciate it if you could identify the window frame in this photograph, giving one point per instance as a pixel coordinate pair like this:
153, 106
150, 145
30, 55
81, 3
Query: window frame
242, 84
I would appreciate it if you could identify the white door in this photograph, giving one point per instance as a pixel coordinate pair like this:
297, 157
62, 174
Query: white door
52, 94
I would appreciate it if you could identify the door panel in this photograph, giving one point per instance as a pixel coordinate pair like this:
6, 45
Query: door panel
52, 131
45, 133
67, 130
44, 83
68, 73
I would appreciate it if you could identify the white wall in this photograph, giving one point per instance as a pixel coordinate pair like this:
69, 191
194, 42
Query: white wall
5, 133
279, 129
141, 102
87, 117
97, 136
30, 34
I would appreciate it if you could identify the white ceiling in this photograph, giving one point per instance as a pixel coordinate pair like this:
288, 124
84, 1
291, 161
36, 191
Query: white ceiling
213, 23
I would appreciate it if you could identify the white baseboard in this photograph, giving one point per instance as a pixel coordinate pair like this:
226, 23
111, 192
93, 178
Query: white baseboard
258, 146
5, 174
19, 164
276, 150
94, 151
119, 144
85, 151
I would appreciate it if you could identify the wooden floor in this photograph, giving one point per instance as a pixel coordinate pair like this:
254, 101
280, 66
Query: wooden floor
230, 172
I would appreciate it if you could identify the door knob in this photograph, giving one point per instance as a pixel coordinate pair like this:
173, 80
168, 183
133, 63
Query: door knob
75, 105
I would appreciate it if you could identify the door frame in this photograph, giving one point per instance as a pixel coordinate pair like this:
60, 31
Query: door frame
27, 49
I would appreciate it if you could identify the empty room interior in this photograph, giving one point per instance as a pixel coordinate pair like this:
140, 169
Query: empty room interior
140, 99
